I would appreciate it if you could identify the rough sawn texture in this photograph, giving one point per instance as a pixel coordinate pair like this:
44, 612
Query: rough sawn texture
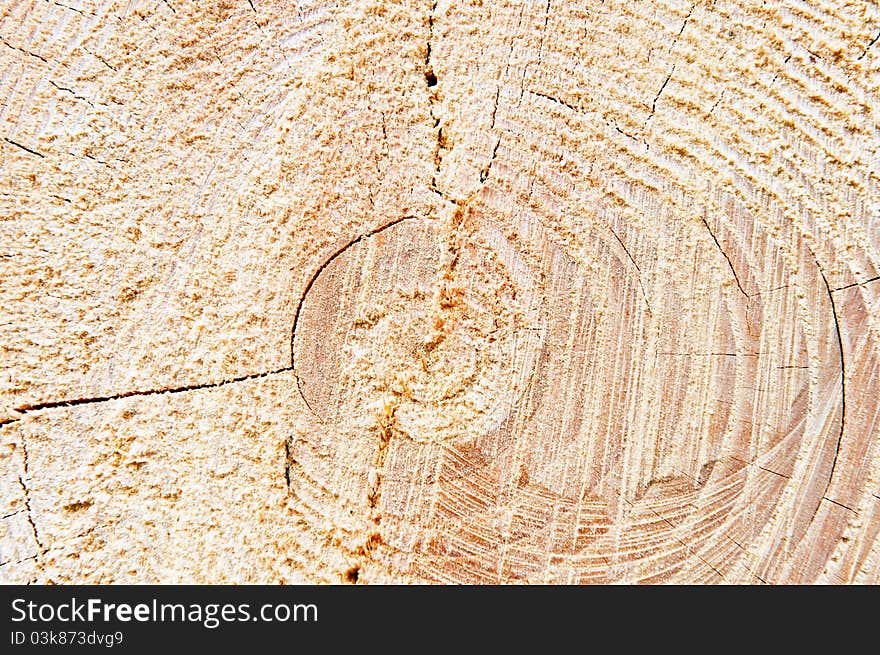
473, 292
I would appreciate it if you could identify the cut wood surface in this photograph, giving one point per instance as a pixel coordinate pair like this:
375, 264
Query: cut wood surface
458, 292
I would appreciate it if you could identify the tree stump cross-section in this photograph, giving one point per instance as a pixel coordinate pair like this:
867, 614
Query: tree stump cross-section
452, 292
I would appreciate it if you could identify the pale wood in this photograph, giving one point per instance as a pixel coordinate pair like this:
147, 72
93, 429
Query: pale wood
473, 292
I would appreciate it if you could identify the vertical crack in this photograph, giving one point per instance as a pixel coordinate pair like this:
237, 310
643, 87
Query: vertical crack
27, 495
672, 70
638, 270
868, 47
729, 263
30, 516
544, 32
431, 86
287, 461
830, 293
484, 174
685, 22
495, 104
662, 86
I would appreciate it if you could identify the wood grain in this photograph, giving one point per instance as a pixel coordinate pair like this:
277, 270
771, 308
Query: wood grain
454, 292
